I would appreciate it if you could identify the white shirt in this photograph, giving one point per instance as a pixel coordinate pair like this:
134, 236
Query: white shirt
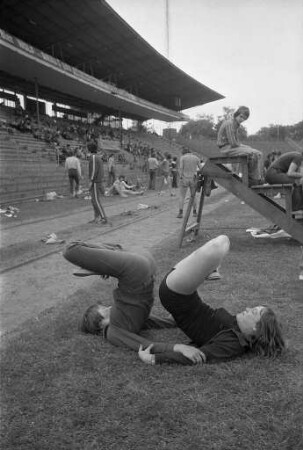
72, 162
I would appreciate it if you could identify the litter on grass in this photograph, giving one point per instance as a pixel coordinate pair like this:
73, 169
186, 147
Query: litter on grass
50, 196
273, 232
52, 239
10, 211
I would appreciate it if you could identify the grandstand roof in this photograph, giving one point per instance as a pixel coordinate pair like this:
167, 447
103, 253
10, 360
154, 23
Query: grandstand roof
91, 36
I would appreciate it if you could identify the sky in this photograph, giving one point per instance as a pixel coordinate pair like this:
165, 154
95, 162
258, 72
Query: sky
250, 51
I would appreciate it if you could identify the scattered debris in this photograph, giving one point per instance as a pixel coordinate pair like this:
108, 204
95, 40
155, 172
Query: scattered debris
128, 213
52, 239
10, 211
50, 196
142, 206
272, 232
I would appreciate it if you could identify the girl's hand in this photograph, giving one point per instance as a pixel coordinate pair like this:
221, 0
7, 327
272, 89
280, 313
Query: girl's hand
146, 356
192, 353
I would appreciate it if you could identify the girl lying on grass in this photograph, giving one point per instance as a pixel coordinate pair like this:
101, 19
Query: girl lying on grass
215, 333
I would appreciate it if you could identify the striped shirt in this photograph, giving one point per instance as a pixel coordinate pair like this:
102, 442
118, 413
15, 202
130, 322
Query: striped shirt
228, 134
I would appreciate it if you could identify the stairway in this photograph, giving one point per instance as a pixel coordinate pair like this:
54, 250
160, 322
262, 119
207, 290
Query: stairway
27, 169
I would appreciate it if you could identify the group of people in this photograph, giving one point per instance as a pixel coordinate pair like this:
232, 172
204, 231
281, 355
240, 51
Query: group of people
280, 168
215, 334
284, 168
122, 188
168, 169
287, 168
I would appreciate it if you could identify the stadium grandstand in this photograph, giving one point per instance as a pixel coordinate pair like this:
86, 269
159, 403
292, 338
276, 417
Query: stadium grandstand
71, 71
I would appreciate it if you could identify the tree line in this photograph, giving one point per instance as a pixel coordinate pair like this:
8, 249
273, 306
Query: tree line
207, 126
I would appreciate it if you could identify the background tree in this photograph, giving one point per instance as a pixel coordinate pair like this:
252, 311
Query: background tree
279, 132
203, 126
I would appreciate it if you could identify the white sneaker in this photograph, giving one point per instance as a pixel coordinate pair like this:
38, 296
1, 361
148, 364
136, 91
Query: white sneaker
215, 275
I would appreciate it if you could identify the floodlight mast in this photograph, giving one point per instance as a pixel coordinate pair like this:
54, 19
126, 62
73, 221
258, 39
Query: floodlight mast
167, 27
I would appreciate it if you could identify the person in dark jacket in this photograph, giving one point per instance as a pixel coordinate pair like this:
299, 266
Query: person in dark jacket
288, 169
96, 177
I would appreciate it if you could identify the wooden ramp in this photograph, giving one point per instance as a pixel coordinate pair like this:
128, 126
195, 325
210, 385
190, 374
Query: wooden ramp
260, 198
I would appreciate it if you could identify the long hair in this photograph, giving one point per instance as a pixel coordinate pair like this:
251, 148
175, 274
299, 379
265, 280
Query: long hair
242, 110
92, 320
268, 340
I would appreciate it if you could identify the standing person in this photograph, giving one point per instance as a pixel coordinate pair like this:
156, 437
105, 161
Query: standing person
189, 165
96, 176
229, 144
165, 173
288, 169
174, 172
111, 169
73, 169
153, 165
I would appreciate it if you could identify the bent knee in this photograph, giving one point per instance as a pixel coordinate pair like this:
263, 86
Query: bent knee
69, 248
222, 242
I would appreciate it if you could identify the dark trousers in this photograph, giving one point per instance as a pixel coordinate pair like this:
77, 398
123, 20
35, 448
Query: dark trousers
74, 179
174, 179
96, 193
152, 179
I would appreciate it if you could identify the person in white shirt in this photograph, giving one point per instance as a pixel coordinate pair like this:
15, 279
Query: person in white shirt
122, 188
153, 165
111, 169
189, 165
73, 169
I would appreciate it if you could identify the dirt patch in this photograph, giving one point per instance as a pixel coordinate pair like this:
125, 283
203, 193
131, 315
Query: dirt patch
40, 278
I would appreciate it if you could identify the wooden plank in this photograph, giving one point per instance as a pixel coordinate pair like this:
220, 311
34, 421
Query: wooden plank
264, 205
242, 160
191, 227
294, 144
186, 217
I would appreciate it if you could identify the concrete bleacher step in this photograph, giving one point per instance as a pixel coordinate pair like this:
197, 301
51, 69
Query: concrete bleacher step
26, 170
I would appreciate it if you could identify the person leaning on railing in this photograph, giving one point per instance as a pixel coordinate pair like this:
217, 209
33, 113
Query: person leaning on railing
288, 169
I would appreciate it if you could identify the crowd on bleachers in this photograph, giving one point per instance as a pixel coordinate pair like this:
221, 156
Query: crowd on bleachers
58, 131
66, 136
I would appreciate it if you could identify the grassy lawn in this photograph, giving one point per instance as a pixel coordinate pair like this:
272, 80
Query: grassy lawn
65, 390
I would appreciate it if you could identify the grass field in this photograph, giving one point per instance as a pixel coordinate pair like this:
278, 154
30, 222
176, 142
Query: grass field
61, 389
